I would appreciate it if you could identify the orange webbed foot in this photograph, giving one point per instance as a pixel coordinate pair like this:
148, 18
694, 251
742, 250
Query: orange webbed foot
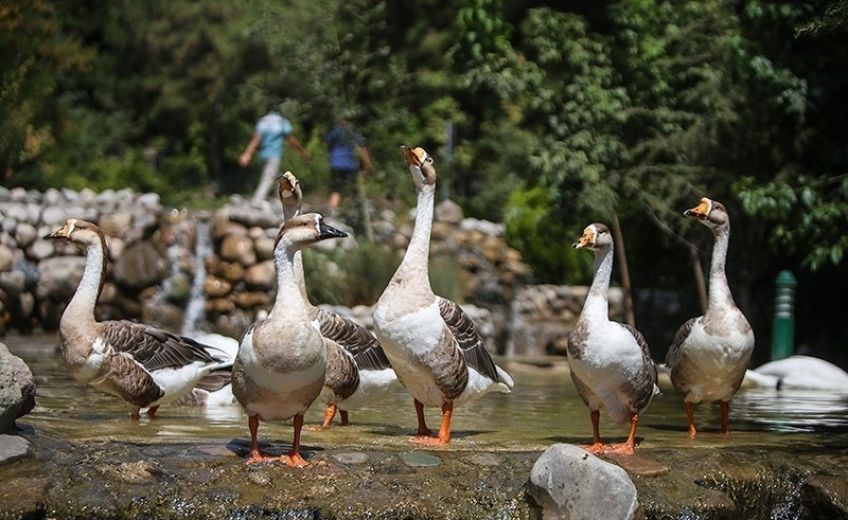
257, 457
429, 440
595, 448
294, 460
623, 448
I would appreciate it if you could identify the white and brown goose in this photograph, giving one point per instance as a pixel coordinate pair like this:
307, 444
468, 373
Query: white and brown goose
358, 372
280, 367
432, 344
610, 362
143, 365
710, 354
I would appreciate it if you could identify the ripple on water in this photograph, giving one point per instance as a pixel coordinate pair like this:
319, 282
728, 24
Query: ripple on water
542, 409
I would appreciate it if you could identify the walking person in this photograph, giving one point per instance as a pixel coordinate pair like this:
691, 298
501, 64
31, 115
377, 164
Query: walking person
271, 130
347, 148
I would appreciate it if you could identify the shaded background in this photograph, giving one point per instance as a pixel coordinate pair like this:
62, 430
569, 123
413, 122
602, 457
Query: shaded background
544, 115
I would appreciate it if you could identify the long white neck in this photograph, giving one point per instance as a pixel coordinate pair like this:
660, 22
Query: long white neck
720, 295
416, 260
597, 302
81, 306
289, 212
291, 301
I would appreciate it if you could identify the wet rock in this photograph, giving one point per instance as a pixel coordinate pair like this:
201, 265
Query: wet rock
260, 477
261, 276
219, 305
486, 459
234, 323
253, 300
11, 397
238, 248
54, 216
23, 376
139, 472
420, 459
355, 457
13, 282
59, 277
825, 497
9, 225
639, 464
233, 272
250, 217
7, 259
141, 265
569, 483
12, 448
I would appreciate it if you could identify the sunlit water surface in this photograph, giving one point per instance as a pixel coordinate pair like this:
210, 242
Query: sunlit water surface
542, 409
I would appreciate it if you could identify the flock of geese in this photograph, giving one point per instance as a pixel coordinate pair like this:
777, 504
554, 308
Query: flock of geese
300, 352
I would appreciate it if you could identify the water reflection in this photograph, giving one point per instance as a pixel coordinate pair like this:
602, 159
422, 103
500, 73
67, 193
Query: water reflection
542, 409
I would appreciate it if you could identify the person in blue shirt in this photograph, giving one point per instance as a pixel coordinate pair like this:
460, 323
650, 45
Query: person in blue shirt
347, 148
271, 130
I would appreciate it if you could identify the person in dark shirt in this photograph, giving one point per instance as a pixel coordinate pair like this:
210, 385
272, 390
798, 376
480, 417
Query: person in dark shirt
347, 148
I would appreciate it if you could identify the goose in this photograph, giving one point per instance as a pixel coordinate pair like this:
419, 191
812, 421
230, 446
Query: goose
281, 362
709, 355
610, 362
143, 365
358, 372
432, 344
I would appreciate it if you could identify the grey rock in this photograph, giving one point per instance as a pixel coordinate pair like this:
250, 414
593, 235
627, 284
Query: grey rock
87, 196
34, 196
495, 229
41, 249
23, 376
141, 265
354, 457
7, 259
249, 216
569, 483
12, 448
5, 194
59, 277
13, 282
116, 223
18, 194
25, 234
449, 212
149, 201
420, 459
264, 247
54, 216
70, 195
9, 225
53, 197
16, 211
11, 398
144, 220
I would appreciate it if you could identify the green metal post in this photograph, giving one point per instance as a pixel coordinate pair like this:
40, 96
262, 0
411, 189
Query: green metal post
783, 327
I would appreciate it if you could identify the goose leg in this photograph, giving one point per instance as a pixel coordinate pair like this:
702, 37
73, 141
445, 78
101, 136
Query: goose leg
256, 454
444, 430
293, 457
690, 412
725, 420
345, 420
423, 431
329, 414
629, 446
151, 412
597, 445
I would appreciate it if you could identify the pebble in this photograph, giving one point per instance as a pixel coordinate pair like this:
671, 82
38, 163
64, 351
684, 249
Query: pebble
419, 459
486, 459
355, 457
12, 448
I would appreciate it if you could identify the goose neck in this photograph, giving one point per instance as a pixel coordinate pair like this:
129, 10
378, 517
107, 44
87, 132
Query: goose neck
290, 300
81, 307
720, 295
416, 258
597, 301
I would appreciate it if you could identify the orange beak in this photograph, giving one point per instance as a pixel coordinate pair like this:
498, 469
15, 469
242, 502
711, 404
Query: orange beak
701, 211
587, 239
415, 157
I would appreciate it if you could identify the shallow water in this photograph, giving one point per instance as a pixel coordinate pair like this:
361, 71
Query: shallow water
542, 409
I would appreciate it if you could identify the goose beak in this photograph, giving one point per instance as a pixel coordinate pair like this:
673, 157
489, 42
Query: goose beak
288, 185
587, 239
701, 211
325, 231
62, 233
415, 157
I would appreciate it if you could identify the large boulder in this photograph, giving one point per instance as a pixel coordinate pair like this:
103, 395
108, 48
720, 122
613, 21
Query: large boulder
23, 376
571, 484
11, 398
59, 277
141, 265
238, 248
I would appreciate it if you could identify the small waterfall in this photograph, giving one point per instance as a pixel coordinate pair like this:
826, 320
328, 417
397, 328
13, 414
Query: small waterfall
164, 290
195, 311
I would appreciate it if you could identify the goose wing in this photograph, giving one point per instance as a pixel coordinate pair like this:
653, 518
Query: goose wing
154, 348
468, 339
353, 337
679, 338
641, 388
